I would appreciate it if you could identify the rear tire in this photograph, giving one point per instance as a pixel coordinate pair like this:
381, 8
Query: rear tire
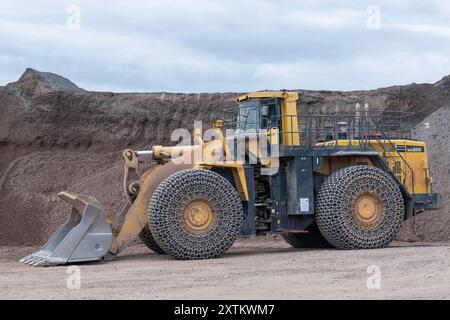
312, 239
195, 214
360, 207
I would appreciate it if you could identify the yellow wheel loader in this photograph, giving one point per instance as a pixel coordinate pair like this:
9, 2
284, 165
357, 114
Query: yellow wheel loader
346, 181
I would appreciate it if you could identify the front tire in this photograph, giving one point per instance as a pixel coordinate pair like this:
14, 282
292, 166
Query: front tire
147, 238
360, 207
195, 214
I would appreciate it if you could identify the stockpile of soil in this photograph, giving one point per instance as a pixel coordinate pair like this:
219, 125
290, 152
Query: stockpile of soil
55, 136
435, 131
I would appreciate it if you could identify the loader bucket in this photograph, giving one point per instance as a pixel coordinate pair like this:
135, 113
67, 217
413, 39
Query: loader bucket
85, 236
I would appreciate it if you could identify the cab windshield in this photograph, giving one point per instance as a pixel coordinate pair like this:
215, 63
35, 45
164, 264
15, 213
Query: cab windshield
247, 119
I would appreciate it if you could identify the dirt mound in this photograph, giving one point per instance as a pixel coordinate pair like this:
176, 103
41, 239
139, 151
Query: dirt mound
55, 136
435, 131
31, 215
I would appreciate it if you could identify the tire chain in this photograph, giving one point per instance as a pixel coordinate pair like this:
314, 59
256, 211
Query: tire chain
147, 238
167, 206
335, 208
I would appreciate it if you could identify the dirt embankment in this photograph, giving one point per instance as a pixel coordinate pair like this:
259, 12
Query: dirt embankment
435, 131
55, 136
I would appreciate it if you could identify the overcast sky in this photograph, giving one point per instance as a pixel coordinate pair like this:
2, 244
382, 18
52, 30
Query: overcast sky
224, 45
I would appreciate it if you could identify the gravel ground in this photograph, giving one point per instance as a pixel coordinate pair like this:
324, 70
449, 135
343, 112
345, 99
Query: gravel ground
258, 268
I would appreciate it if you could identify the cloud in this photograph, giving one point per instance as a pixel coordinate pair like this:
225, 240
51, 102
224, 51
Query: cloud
433, 30
226, 45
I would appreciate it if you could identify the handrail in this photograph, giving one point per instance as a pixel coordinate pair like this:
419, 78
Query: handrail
406, 164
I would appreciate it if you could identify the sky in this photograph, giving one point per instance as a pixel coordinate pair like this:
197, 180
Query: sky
225, 45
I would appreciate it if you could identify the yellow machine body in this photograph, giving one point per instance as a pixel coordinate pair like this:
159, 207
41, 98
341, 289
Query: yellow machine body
408, 161
406, 158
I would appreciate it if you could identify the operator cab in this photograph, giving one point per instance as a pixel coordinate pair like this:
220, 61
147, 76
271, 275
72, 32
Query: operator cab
257, 114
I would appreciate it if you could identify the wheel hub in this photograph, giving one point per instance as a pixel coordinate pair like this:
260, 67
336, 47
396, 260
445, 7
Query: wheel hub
198, 217
368, 207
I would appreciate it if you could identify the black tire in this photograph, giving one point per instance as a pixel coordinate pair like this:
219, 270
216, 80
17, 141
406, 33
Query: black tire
312, 239
168, 207
337, 213
147, 238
